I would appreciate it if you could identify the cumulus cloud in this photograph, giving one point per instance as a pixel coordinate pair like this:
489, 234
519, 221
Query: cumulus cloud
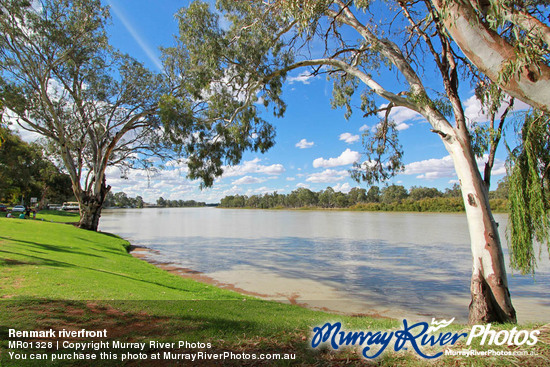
349, 138
304, 144
347, 157
475, 113
401, 114
252, 166
246, 180
345, 187
402, 126
328, 175
364, 128
431, 169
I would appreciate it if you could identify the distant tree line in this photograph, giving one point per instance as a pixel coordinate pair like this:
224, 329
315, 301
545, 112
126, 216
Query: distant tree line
389, 198
178, 203
122, 200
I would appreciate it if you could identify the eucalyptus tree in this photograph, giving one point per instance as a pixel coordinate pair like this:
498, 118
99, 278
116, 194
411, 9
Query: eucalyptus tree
508, 41
94, 106
236, 69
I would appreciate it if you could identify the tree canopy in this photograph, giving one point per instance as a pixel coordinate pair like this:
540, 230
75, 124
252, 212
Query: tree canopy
26, 172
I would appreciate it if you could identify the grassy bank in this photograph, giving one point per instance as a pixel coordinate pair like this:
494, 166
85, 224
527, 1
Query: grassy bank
58, 276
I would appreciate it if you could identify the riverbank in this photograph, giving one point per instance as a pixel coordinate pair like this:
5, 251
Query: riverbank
426, 205
273, 287
430, 205
56, 276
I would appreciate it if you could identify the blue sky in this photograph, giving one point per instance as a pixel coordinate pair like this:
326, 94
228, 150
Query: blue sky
315, 145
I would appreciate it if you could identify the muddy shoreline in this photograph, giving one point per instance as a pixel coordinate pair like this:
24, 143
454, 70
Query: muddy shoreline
147, 254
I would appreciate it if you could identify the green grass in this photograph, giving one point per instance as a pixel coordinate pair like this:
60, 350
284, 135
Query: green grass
51, 216
58, 276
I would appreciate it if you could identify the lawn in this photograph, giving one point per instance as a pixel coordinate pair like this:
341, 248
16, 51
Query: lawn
57, 276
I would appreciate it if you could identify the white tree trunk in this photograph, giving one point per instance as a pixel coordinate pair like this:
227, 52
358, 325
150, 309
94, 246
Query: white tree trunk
490, 53
491, 300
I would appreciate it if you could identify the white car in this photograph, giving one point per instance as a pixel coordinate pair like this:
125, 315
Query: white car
18, 208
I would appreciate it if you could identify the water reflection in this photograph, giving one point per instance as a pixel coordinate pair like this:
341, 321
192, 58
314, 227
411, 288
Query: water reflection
415, 263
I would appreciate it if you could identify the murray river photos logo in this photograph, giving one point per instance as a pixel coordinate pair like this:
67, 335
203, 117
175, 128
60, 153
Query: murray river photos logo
416, 336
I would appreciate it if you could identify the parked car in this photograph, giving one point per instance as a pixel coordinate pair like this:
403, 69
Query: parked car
71, 205
18, 208
3, 208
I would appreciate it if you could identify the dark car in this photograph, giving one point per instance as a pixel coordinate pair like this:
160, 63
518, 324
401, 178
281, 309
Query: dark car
3, 208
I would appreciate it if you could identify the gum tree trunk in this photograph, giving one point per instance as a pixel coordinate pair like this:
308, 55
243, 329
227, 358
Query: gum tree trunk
90, 208
491, 301
490, 53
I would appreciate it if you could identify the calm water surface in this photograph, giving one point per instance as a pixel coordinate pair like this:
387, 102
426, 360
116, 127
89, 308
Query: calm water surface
395, 264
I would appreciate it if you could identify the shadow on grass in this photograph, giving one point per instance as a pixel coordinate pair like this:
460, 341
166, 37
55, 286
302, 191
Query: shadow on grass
52, 248
55, 263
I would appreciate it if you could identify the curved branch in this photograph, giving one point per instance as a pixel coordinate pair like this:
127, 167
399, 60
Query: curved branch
491, 53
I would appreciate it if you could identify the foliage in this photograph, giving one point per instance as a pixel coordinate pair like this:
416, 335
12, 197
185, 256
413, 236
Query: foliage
26, 172
529, 193
393, 193
211, 113
179, 203
121, 199
417, 193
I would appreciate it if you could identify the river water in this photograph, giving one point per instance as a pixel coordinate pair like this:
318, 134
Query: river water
391, 264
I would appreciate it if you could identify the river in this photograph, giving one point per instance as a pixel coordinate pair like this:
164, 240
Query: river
391, 264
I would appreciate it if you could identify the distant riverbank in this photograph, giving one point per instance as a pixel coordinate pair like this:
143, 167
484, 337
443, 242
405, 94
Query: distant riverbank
428, 205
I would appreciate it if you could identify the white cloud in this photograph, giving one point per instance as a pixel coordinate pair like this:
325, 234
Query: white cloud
328, 175
347, 157
349, 138
290, 178
303, 185
401, 114
304, 77
431, 169
345, 187
25, 135
402, 126
304, 144
246, 180
252, 166
474, 112
364, 128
